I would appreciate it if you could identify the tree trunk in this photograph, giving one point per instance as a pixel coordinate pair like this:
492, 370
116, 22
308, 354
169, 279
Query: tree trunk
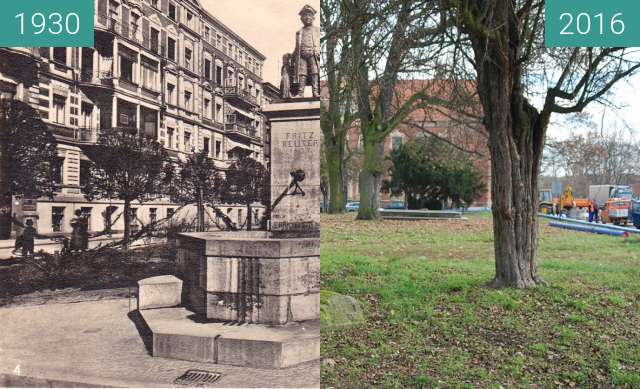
5, 187
516, 139
370, 179
200, 211
335, 170
249, 217
127, 223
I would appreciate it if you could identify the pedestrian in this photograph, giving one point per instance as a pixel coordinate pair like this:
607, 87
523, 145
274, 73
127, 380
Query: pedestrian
79, 232
591, 211
596, 211
28, 238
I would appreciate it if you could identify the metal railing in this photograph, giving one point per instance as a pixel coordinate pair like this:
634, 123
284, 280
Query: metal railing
241, 128
234, 91
99, 76
82, 134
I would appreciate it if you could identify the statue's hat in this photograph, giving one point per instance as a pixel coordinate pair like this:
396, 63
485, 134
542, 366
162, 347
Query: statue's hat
307, 9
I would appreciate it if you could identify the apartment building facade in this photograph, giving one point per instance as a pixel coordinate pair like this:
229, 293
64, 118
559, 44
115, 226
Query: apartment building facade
166, 67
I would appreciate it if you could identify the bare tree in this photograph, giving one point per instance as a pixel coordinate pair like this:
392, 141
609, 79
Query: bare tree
389, 40
506, 52
593, 158
336, 115
128, 166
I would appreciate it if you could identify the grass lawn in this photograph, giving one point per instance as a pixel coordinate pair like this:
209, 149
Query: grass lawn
431, 321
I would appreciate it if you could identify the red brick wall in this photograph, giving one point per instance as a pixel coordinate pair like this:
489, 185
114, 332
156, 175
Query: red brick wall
463, 132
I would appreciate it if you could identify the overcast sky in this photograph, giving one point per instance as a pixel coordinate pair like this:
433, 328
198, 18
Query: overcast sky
625, 117
268, 25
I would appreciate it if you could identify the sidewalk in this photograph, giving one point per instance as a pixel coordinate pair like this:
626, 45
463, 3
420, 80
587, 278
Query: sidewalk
50, 246
97, 343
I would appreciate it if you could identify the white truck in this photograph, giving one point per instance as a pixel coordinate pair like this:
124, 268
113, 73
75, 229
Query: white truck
614, 202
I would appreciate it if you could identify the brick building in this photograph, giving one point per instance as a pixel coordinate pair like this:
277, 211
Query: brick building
465, 133
168, 68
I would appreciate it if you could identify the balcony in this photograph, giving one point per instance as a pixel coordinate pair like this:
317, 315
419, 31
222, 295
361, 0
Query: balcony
104, 78
243, 130
75, 135
128, 31
95, 84
20, 63
240, 96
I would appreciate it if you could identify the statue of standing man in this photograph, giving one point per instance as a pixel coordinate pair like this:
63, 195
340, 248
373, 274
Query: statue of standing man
306, 57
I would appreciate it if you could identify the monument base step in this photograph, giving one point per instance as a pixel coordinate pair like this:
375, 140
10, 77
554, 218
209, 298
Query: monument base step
178, 335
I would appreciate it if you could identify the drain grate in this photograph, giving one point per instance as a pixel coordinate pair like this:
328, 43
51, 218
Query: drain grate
197, 378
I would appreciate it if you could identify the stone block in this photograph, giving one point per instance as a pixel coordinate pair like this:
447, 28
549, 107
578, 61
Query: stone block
177, 336
159, 292
305, 307
185, 347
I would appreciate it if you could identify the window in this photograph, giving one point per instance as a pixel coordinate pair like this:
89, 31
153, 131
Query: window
107, 217
135, 18
170, 212
86, 212
188, 101
60, 54
149, 74
218, 41
396, 142
207, 33
187, 57
155, 3
155, 40
57, 170
170, 132
133, 221
206, 145
153, 215
189, 19
171, 49
126, 69
172, 11
84, 172
187, 141
113, 10
207, 108
59, 103
57, 218
87, 110
218, 74
218, 117
240, 216
207, 69
170, 94
218, 148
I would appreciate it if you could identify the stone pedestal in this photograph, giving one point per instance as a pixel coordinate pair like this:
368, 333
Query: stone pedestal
250, 277
295, 145
253, 298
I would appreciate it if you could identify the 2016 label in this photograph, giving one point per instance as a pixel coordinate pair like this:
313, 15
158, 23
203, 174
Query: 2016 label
583, 24
591, 23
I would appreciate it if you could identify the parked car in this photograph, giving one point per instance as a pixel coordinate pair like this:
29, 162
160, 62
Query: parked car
394, 205
352, 206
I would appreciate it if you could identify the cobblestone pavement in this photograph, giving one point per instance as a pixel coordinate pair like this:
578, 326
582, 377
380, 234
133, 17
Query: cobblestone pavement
98, 343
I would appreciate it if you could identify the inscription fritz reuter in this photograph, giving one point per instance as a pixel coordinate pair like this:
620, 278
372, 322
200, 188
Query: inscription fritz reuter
300, 139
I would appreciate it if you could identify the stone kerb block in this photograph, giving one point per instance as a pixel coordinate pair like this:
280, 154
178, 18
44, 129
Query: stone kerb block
159, 292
